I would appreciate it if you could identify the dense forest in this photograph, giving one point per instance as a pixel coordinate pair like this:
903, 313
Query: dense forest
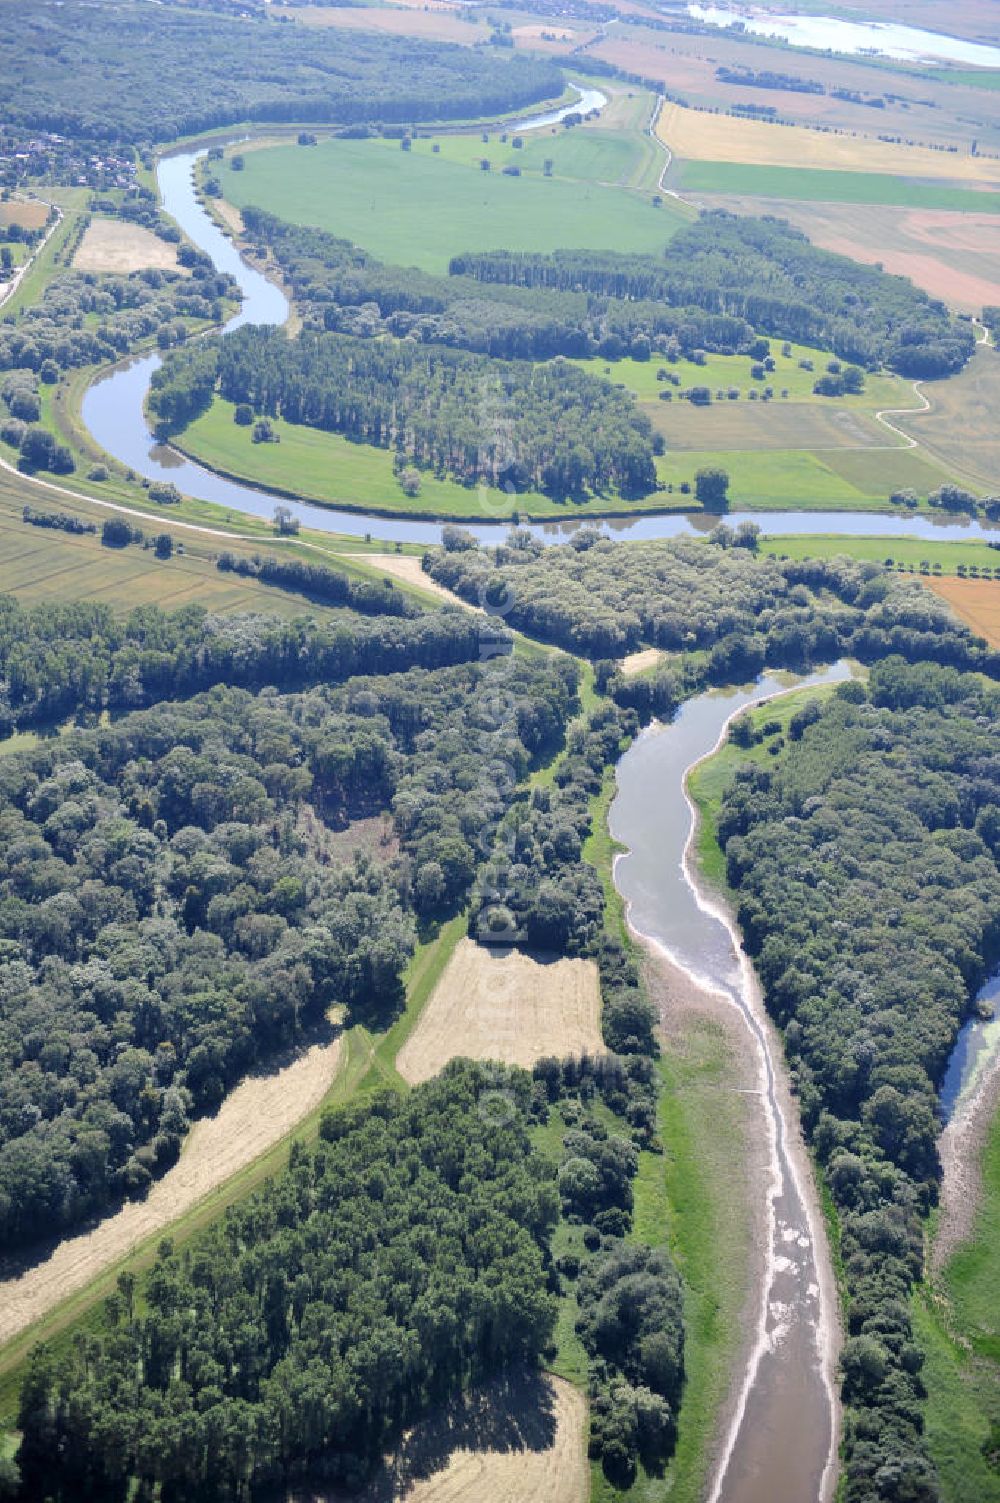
865, 865
547, 427
400, 1259
146, 73
171, 912
339, 286
766, 272
74, 661
730, 608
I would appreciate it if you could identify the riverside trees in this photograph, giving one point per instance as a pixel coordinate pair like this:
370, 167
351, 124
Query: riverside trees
865, 863
563, 431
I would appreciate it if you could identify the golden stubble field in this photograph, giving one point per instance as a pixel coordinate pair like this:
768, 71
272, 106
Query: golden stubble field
975, 601
502, 1004
702, 137
518, 1439
253, 1117
113, 245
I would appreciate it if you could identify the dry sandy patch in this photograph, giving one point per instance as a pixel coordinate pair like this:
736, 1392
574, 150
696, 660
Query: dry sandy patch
250, 1121
699, 136
638, 662
519, 1439
975, 601
407, 567
30, 215
495, 1002
113, 245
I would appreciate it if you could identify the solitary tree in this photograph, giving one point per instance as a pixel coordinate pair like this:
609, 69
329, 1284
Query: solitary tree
711, 487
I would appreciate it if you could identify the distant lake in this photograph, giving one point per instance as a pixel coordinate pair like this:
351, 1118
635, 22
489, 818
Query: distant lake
908, 44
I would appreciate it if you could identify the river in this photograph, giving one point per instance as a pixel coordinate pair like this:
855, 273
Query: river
910, 44
113, 412
782, 1438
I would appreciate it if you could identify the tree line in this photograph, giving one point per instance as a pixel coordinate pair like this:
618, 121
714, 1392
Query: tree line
721, 611
869, 969
149, 74
548, 427
766, 272
74, 661
341, 287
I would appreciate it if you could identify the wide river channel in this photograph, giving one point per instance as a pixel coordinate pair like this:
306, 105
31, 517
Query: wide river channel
113, 411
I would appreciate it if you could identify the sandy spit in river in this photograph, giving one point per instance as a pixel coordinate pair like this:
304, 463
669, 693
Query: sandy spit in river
253, 1117
961, 1149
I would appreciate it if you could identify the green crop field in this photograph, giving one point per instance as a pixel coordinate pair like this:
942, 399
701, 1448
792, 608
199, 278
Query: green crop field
415, 208
962, 1337
824, 185
942, 557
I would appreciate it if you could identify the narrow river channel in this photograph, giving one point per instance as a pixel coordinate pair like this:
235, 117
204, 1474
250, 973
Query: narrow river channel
782, 1438
113, 412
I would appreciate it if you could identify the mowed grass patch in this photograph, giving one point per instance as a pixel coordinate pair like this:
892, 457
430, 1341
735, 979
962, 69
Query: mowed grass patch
830, 186
796, 480
912, 552
960, 430
961, 1401
720, 372
590, 153
766, 425
415, 208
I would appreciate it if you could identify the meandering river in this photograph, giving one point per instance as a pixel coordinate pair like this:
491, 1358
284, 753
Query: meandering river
113, 412
782, 1438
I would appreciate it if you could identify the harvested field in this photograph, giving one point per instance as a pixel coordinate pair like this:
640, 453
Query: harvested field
437, 25
960, 428
407, 568
638, 662
500, 1003
113, 245
519, 1439
953, 256
735, 426
31, 216
976, 601
700, 136
253, 1117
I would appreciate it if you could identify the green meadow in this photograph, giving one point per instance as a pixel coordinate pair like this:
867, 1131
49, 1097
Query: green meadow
419, 208
825, 185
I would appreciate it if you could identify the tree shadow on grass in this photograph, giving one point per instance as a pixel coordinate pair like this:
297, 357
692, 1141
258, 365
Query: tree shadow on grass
515, 1412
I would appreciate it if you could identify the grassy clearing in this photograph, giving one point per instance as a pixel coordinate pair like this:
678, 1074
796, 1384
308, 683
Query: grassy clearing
956, 1423
723, 371
797, 480
913, 552
831, 186
419, 208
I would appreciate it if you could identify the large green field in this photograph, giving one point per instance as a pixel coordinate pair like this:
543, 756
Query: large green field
915, 554
960, 1327
417, 208
829, 186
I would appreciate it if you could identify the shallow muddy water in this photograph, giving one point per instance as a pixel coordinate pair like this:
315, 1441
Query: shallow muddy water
782, 1435
911, 44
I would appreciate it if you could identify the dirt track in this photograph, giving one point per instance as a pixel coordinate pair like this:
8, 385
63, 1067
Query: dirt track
406, 566
251, 1119
498, 1003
